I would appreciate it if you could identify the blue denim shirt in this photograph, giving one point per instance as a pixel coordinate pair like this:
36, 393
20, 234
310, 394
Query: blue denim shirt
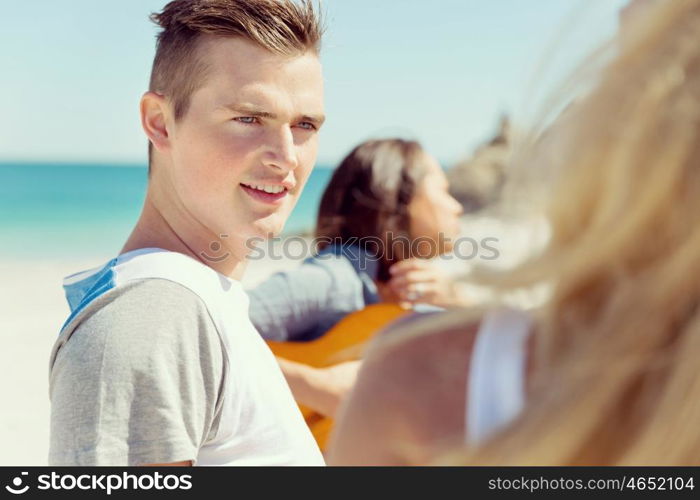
304, 303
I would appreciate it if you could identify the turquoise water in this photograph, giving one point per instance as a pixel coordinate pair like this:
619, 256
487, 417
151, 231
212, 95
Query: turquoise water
75, 210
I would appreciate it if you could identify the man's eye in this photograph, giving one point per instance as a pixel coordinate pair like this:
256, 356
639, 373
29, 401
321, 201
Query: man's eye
248, 120
306, 125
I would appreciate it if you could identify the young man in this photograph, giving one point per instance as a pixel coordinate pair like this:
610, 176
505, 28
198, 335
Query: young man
158, 362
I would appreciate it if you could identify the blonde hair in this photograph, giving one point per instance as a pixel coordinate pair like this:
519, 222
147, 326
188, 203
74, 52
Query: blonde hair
615, 374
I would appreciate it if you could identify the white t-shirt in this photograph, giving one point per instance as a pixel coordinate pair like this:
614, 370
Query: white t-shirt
159, 363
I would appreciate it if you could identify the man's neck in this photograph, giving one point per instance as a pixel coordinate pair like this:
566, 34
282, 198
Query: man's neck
155, 230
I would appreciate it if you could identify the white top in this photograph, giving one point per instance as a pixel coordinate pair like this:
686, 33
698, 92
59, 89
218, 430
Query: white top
496, 385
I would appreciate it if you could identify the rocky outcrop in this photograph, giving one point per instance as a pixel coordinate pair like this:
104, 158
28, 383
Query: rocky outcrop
477, 181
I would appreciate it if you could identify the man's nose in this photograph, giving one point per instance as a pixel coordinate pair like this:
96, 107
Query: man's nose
281, 151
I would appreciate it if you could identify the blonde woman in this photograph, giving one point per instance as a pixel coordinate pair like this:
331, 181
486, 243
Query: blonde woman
606, 372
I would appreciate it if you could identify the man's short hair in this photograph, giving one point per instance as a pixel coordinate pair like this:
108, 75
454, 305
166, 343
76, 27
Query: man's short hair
280, 26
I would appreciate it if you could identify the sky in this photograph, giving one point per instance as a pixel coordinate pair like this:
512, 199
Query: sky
440, 71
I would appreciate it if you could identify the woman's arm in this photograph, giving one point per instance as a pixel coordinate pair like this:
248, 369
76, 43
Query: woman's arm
289, 303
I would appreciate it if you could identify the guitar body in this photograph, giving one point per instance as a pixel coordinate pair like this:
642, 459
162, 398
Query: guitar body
341, 343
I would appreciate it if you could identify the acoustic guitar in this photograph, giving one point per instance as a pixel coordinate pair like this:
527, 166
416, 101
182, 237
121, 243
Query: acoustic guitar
341, 343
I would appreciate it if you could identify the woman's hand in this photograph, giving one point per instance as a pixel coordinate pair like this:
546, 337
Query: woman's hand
420, 281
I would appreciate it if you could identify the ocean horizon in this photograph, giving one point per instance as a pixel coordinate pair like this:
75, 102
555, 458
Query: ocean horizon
67, 210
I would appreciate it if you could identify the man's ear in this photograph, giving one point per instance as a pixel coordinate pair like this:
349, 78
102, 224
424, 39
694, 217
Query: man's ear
154, 118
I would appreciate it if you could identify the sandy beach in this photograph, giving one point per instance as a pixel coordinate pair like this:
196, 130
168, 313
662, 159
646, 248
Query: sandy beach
33, 311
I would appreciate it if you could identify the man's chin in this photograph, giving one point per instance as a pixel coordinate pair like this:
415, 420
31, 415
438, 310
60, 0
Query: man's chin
269, 227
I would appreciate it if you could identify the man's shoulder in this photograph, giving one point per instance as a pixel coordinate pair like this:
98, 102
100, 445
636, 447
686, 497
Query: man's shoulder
140, 316
144, 366
147, 300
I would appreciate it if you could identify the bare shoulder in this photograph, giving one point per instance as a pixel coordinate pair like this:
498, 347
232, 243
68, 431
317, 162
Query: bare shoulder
411, 389
427, 338
429, 359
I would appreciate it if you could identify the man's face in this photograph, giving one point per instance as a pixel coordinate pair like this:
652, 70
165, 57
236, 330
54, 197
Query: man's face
244, 149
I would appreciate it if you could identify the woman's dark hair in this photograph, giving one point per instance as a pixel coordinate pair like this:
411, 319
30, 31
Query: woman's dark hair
366, 200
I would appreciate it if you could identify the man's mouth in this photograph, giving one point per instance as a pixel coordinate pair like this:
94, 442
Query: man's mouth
267, 193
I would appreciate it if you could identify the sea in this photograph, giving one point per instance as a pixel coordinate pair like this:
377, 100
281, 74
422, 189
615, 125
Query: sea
59, 210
